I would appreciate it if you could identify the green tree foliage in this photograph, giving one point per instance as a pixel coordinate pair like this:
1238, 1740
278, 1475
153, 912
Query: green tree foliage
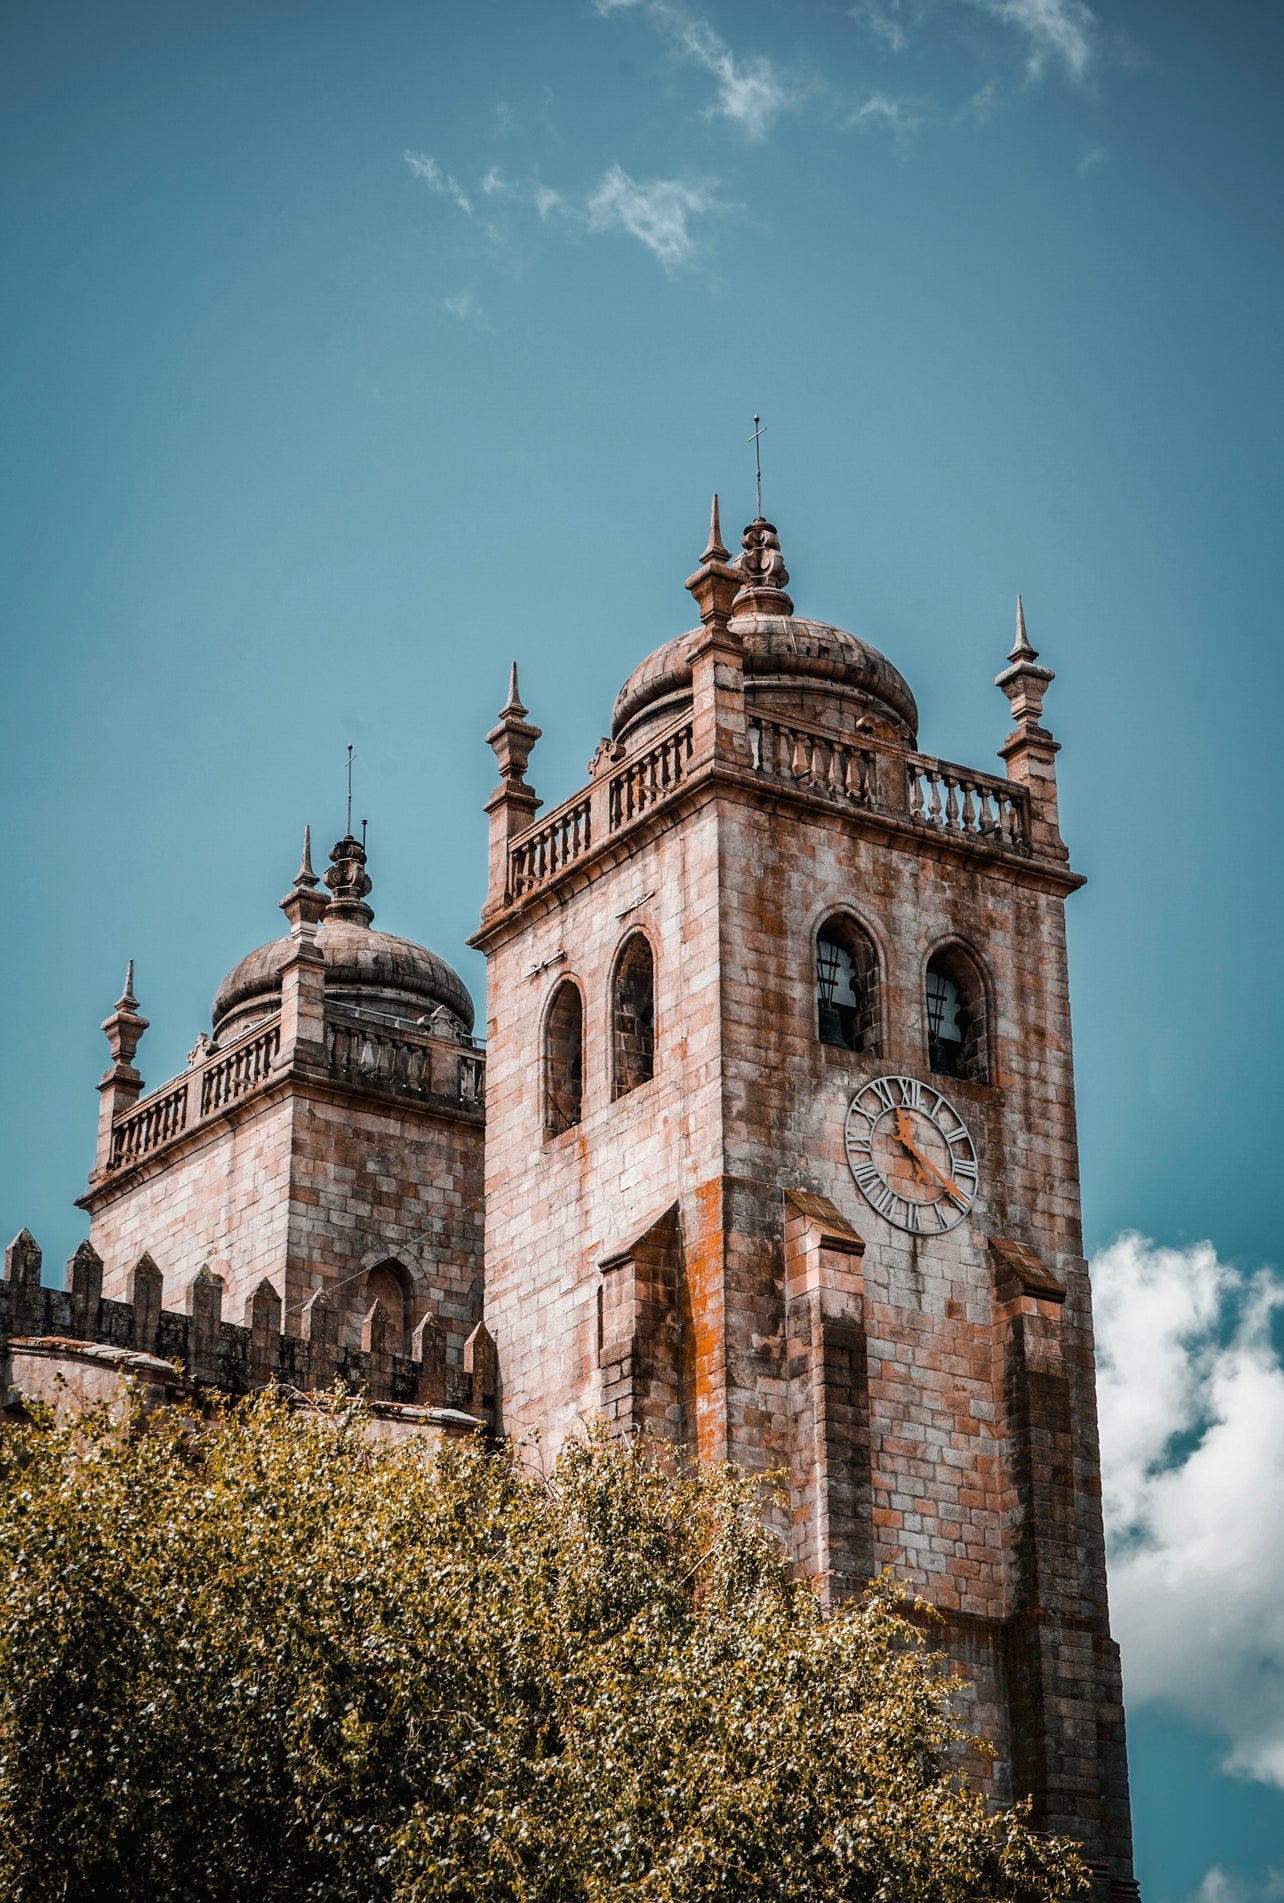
273, 1660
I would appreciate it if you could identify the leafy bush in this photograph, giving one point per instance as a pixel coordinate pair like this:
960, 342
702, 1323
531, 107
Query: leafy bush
268, 1659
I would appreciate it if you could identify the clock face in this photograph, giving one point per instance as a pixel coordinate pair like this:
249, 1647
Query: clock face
911, 1155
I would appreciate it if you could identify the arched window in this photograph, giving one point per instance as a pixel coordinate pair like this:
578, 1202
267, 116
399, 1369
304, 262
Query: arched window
633, 1016
956, 1035
389, 1285
848, 1013
564, 1060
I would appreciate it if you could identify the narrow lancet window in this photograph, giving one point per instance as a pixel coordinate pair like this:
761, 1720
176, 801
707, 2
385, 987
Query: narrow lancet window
633, 1016
848, 1012
564, 1060
956, 1035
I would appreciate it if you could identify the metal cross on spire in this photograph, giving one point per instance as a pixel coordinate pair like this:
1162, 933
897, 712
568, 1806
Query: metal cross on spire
349, 789
759, 431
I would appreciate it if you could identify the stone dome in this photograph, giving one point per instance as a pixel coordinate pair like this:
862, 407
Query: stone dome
363, 967
779, 650
809, 669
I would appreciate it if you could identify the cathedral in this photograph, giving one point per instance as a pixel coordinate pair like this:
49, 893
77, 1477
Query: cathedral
769, 1151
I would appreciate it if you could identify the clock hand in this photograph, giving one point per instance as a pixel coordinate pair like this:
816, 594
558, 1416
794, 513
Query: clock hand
947, 1182
907, 1143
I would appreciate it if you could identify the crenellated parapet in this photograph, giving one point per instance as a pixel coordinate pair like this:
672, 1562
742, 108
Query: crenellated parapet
74, 1339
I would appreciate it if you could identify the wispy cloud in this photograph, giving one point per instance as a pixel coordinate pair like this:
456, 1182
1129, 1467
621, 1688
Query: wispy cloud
751, 93
463, 305
654, 212
1092, 158
1056, 32
879, 113
1191, 1391
657, 212
886, 23
425, 167
530, 191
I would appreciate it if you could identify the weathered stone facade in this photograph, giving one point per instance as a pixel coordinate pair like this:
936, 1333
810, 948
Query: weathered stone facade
780, 1152
694, 1254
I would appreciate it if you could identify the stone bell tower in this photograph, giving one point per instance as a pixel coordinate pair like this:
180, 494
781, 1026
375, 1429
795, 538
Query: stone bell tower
781, 1157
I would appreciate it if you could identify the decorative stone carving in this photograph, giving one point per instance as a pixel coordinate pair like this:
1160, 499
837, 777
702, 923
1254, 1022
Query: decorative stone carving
605, 755
762, 564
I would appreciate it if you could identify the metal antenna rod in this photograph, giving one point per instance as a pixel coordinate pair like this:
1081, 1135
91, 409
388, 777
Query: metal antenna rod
756, 439
349, 789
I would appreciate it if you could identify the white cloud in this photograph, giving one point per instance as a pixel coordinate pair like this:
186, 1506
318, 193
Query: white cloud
1092, 158
531, 190
425, 167
1056, 31
751, 93
884, 22
884, 114
1191, 1392
655, 213
1220, 1887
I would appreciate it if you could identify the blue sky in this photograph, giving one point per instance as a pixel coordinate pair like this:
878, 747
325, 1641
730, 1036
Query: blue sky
350, 351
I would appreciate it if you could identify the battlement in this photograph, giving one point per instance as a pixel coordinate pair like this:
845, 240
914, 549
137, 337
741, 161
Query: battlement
229, 1357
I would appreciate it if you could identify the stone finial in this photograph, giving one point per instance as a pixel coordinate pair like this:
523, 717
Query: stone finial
124, 1028
349, 882
513, 705
304, 905
715, 582
513, 737
305, 875
1021, 649
716, 551
762, 572
1024, 682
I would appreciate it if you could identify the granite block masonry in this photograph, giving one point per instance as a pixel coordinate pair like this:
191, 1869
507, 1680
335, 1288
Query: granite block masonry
773, 1139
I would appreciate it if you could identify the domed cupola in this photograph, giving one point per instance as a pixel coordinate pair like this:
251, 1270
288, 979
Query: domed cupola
375, 971
792, 665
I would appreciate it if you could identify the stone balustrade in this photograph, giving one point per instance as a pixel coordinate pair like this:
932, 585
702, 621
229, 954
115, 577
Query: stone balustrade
244, 1067
537, 856
211, 1087
808, 756
540, 855
387, 1052
360, 1046
156, 1120
978, 807
974, 806
650, 777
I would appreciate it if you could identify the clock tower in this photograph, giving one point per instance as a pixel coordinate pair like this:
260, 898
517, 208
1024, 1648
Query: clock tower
781, 1161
